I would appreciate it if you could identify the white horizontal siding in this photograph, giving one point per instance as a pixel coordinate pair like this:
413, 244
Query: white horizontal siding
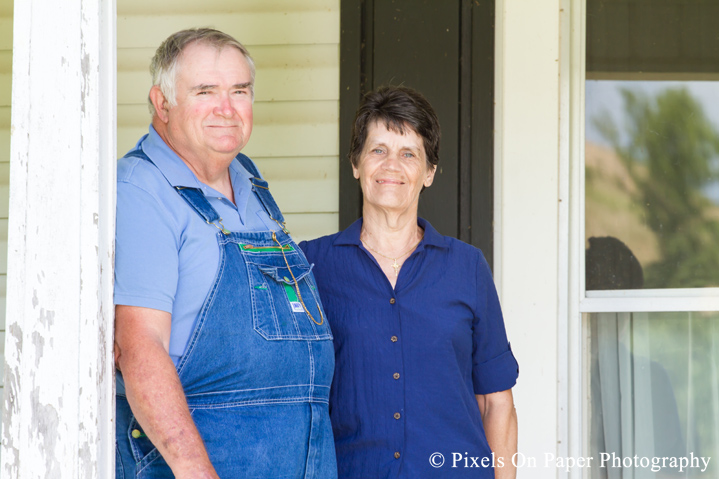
5, 87
6, 12
295, 46
254, 28
6, 32
4, 141
311, 225
162, 7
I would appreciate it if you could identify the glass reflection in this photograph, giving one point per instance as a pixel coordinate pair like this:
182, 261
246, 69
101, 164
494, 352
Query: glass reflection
654, 392
652, 179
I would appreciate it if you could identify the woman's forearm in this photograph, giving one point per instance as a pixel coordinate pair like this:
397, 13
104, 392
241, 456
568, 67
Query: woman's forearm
500, 426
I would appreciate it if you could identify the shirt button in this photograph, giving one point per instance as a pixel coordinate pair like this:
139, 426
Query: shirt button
395, 375
393, 339
392, 301
396, 455
397, 415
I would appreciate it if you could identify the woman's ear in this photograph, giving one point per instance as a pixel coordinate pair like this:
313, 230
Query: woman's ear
430, 176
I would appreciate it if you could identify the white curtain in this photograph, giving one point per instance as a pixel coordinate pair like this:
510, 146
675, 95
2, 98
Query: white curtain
654, 391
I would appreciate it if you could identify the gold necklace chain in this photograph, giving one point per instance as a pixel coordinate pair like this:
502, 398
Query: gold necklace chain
395, 265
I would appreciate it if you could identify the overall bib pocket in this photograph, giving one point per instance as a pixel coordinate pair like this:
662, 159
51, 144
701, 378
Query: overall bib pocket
279, 310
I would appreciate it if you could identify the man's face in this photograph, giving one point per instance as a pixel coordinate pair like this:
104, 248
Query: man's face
213, 115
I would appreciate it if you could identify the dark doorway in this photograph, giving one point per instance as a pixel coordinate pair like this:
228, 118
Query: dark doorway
444, 49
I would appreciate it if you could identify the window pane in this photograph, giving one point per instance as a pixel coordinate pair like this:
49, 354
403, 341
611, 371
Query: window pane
652, 144
654, 392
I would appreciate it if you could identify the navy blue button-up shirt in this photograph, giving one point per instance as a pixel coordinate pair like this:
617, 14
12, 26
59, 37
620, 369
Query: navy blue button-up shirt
409, 360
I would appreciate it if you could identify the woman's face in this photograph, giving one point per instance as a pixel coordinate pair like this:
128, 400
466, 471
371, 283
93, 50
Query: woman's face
392, 168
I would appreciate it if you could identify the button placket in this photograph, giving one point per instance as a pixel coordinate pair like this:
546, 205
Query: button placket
396, 375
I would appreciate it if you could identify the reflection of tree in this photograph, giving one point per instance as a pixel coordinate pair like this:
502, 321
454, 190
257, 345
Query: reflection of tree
671, 155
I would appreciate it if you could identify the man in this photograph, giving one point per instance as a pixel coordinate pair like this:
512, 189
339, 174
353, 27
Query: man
224, 358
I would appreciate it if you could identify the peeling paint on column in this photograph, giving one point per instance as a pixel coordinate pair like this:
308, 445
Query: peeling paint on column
11, 453
44, 425
84, 68
85, 455
58, 284
39, 342
47, 318
102, 342
16, 333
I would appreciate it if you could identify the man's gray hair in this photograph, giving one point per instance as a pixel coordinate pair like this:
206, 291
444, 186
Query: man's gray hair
165, 63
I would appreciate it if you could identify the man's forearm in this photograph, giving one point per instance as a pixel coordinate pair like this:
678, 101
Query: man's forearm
156, 396
158, 402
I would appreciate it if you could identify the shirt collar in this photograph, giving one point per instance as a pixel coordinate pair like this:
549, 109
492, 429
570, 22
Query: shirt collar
351, 236
167, 161
179, 174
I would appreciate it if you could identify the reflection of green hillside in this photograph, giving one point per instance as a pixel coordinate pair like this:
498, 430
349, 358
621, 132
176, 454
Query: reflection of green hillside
648, 190
613, 207
610, 207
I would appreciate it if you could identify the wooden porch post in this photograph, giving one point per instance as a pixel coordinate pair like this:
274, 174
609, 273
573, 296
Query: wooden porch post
59, 402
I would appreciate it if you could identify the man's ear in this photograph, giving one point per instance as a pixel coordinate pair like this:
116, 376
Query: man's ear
160, 103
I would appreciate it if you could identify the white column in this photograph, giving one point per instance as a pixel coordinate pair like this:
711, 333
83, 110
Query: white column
59, 402
527, 214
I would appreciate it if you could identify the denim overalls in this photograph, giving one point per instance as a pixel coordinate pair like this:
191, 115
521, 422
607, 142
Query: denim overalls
258, 366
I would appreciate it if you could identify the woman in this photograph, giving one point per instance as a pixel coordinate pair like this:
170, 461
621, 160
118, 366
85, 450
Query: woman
424, 372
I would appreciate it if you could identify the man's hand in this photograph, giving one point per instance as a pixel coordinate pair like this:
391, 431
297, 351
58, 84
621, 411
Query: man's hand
500, 426
154, 391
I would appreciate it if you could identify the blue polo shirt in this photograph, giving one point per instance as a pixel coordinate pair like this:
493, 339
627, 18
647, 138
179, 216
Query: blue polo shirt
166, 256
409, 360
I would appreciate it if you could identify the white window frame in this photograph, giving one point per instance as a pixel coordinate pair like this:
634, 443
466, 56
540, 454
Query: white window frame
574, 378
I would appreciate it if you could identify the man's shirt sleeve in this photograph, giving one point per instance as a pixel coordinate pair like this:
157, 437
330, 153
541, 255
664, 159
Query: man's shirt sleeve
146, 250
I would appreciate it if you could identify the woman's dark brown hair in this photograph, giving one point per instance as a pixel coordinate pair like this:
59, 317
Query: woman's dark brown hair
398, 108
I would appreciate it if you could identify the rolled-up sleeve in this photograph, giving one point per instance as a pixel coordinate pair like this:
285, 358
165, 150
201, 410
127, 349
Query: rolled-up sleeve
494, 367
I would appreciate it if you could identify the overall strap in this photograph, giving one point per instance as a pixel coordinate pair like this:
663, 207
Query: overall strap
193, 196
138, 153
262, 190
197, 200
